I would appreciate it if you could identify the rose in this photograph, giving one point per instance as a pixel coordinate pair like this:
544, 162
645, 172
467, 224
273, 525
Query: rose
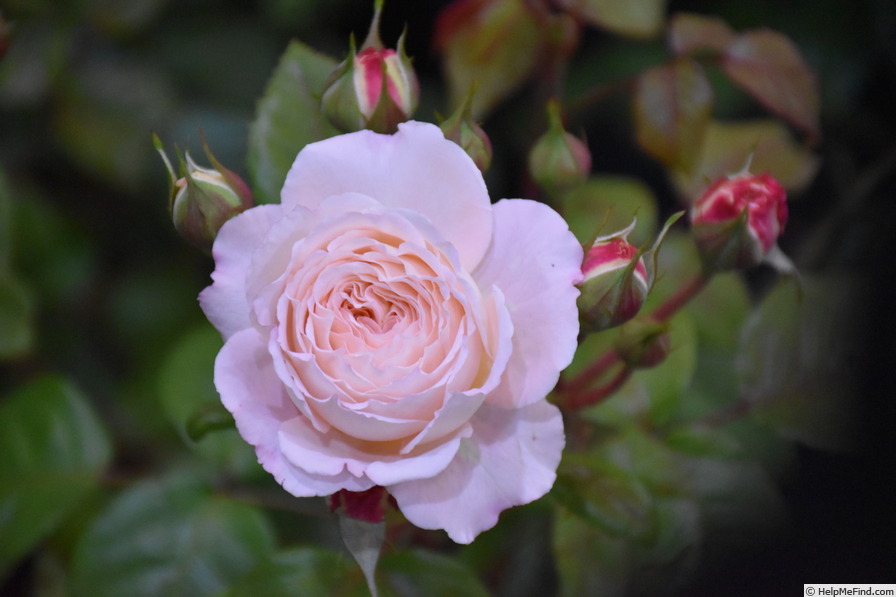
738, 220
615, 281
386, 325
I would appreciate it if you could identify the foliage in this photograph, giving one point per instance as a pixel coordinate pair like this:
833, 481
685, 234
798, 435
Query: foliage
121, 472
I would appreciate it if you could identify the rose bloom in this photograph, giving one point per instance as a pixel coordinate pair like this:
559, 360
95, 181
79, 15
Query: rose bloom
386, 325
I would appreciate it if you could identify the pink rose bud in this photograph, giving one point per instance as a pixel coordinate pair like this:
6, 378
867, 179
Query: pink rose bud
558, 161
738, 220
202, 199
615, 282
375, 88
463, 130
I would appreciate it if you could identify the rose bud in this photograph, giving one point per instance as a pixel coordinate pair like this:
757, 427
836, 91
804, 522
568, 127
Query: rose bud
202, 199
643, 343
375, 88
463, 130
558, 161
615, 284
738, 219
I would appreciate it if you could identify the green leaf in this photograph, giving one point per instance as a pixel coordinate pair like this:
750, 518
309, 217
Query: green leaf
169, 537
605, 204
288, 118
688, 32
602, 494
494, 45
727, 146
428, 573
303, 571
103, 117
672, 107
5, 222
718, 313
633, 481
770, 67
54, 448
791, 361
656, 394
638, 18
191, 402
315, 571
16, 318
703, 441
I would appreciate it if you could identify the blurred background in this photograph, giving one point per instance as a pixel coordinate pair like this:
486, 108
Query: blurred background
97, 289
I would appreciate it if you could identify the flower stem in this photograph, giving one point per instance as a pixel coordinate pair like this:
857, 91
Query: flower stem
576, 389
681, 297
590, 374
597, 395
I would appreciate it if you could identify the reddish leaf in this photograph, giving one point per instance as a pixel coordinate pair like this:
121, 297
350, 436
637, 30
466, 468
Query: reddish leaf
673, 105
688, 32
728, 145
769, 66
493, 43
639, 18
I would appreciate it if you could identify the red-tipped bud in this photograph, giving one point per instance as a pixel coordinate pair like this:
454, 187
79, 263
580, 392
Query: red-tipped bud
375, 88
615, 283
202, 199
558, 161
738, 220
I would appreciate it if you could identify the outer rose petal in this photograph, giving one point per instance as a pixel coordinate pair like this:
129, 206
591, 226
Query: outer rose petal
224, 302
510, 460
535, 260
416, 168
251, 390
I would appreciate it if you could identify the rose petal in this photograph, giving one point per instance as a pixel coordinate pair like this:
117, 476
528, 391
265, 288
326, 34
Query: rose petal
535, 260
416, 168
252, 392
332, 454
511, 459
224, 302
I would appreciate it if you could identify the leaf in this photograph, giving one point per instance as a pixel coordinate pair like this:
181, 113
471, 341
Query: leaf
103, 117
688, 32
288, 118
54, 448
607, 496
6, 223
672, 109
605, 204
719, 313
169, 537
316, 571
302, 571
421, 572
791, 359
727, 146
16, 318
644, 483
494, 44
638, 18
770, 67
191, 402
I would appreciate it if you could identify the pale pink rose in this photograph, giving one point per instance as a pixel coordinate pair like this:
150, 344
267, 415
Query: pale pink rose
386, 325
